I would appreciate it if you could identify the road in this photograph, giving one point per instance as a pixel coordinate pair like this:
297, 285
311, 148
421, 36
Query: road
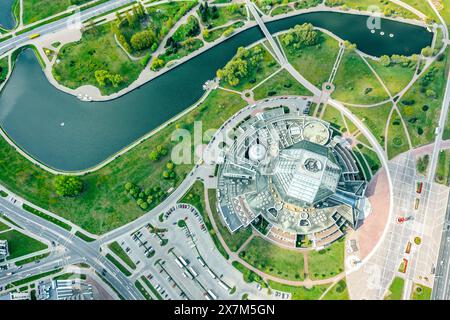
441, 289
64, 23
77, 249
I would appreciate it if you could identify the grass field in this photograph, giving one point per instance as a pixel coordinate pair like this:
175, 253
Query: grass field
186, 48
421, 105
334, 117
279, 85
443, 168
234, 241
371, 158
423, 7
395, 77
355, 82
374, 118
445, 11
103, 205
3, 226
225, 16
35, 10
196, 197
280, 10
20, 244
395, 291
274, 260
314, 62
3, 69
299, 293
397, 141
117, 249
339, 291
217, 33
327, 262
97, 50
420, 292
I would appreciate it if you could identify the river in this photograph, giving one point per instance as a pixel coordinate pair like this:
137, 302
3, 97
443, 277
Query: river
67, 134
6, 16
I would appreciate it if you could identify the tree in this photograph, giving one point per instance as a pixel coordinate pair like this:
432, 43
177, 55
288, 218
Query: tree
68, 186
385, 61
427, 52
143, 40
101, 76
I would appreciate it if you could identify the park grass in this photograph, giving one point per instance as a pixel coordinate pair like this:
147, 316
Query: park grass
445, 11
299, 293
4, 227
117, 249
233, 240
443, 168
421, 124
32, 259
371, 158
423, 7
3, 69
314, 63
355, 82
103, 205
142, 290
152, 288
280, 84
397, 141
280, 10
339, 291
334, 117
274, 260
265, 68
327, 262
225, 16
248, 275
35, 10
446, 133
97, 50
395, 291
420, 292
119, 266
186, 48
196, 197
217, 33
374, 118
384, 6
395, 77
20, 244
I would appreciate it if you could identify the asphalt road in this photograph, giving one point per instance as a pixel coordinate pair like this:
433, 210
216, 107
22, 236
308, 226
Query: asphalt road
65, 23
441, 289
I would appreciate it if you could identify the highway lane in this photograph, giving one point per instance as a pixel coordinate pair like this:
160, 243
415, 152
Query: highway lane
441, 289
65, 23
75, 246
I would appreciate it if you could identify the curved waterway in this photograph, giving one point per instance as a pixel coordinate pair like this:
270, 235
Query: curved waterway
67, 134
6, 15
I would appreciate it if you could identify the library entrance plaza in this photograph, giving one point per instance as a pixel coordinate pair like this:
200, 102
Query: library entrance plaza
292, 179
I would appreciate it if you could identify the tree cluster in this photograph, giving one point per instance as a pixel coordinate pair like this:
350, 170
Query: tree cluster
144, 198
104, 77
301, 35
169, 173
157, 153
190, 29
207, 12
68, 186
243, 63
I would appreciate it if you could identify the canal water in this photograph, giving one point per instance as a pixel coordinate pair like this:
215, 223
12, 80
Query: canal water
6, 16
67, 134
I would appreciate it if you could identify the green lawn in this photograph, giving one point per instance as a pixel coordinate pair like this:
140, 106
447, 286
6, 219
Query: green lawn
396, 77
299, 293
395, 291
355, 82
225, 15
215, 34
281, 10
152, 288
420, 292
20, 244
443, 168
234, 241
248, 275
314, 62
279, 85
446, 133
274, 260
327, 262
142, 290
35, 10
397, 141
371, 158
119, 266
386, 7
339, 291
117, 249
421, 105
103, 205
196, 197
423, 7
97, 50
374, 118
3, 69
445, 11
186, 48
3, 226
334, 117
